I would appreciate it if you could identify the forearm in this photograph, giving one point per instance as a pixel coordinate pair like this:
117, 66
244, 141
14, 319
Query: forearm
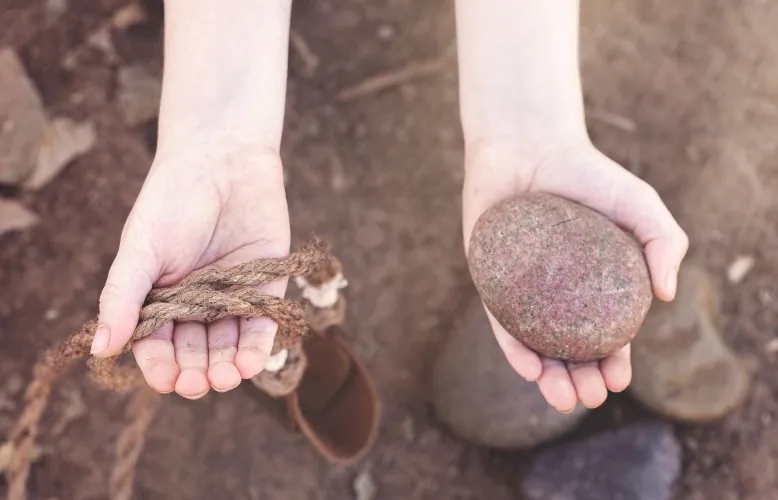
519, 68
225, 72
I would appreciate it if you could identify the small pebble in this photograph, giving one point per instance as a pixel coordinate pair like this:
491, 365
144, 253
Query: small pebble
739, 268
386, 32
365, 487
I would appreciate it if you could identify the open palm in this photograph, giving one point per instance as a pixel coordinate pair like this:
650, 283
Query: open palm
498, 170
194, 211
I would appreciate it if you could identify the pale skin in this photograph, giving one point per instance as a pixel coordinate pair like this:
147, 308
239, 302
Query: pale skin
215, 195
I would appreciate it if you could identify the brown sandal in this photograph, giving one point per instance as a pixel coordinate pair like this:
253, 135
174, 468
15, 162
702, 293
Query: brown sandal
323, 390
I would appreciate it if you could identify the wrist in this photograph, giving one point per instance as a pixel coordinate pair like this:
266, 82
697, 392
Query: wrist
519, 70
225, 73
511, 154
222, 159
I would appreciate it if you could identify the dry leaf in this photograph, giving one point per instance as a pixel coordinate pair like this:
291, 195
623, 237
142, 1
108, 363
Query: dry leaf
15, 217
128, 16
22, 120
63, 141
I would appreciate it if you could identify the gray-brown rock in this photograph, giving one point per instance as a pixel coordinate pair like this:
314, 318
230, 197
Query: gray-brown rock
138, 94
480, 398
15, 217
63, 141
559, 277
22, 120
638, 462
682, 368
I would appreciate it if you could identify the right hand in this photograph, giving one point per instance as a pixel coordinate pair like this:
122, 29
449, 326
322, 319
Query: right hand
207, 207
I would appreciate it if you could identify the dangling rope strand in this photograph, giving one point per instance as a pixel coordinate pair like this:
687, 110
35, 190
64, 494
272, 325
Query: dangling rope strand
206, 295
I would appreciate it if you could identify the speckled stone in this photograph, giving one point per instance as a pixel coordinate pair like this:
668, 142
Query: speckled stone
481, 399
638, 462
560, 277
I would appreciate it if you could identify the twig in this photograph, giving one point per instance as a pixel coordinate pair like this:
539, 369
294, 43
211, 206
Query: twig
392, 78
303, 49
614, 120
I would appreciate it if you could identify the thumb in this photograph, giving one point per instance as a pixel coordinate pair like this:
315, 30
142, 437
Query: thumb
607, 187
130, 279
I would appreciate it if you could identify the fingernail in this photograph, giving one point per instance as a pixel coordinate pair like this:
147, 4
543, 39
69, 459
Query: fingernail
202, 394
228, 389
101, 340
672, 282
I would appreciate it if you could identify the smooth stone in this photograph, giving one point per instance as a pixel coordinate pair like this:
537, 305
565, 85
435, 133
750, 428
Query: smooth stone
560, 277
682, 368
638, 462
480, 398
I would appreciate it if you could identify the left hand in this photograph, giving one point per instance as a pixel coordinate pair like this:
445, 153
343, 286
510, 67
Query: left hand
500, 168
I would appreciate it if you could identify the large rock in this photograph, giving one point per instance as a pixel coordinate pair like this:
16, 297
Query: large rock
638, 462
479, 396
22, 120
682, 368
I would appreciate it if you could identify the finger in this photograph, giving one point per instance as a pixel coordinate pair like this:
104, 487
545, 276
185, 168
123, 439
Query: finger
156, 359
222, 347
630, 202
256, 336
617, 370
520, 357
641, 210
191, 351
556, 386
588, 382
130, 278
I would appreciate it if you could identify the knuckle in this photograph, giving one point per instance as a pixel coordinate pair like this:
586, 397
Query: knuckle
648, 192
111, 293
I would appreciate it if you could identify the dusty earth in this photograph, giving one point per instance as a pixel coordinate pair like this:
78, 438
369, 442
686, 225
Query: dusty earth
682, 93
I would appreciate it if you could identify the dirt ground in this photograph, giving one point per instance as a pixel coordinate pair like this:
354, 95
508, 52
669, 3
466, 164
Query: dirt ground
682, 93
